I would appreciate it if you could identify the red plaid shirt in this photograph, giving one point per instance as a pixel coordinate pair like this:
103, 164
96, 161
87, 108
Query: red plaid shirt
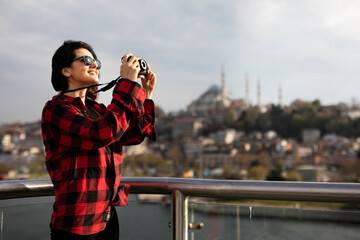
84, 155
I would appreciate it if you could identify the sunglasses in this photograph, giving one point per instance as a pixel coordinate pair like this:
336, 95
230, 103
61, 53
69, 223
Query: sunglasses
88, 61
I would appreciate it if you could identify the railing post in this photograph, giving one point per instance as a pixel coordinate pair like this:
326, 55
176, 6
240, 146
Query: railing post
179, 212
1, 225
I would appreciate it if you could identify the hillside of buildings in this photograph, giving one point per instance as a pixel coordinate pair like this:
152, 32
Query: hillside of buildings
225, 138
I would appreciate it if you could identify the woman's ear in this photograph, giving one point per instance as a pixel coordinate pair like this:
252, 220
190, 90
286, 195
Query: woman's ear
66, 72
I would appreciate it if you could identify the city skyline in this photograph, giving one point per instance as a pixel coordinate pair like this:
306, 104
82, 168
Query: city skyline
308, 47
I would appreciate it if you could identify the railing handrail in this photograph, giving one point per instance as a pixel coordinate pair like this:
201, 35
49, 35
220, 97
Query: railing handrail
265, 190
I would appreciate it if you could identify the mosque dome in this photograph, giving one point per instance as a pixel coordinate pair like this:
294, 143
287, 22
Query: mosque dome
212, 99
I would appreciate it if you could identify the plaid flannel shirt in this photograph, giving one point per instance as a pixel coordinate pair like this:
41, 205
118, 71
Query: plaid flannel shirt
84, 155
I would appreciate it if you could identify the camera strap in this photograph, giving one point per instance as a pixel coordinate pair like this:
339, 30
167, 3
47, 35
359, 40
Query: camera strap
108, 86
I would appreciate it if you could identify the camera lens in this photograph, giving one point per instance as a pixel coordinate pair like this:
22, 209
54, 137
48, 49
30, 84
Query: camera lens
143, 67
142, 64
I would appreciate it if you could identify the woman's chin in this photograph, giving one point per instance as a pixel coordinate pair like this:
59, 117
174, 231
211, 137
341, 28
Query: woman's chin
95, 80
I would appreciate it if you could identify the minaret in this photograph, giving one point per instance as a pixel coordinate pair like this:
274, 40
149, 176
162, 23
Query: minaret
247, 96
223, 94
280, 96
353, 103
259, 93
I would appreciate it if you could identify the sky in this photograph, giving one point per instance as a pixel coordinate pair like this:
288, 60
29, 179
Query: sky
311, 48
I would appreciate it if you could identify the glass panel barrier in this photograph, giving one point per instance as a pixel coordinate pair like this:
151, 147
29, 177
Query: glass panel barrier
147, 217
26, 218
253, 221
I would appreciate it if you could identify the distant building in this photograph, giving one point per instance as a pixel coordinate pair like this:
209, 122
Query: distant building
214, 156
186, 127
351, 114
311, 135
227, 136
193, 148
17, 136
215, 98
310, 173
136, 149
270, 134
280, 147
304, 151
6, 142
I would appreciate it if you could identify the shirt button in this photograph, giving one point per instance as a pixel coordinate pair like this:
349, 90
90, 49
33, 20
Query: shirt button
107, 216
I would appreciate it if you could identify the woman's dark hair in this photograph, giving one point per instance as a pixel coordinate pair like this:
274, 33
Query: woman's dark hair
63, 57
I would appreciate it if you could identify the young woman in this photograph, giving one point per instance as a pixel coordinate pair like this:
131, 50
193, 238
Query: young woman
83, 141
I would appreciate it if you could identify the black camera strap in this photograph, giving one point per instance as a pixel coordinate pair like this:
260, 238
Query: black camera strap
108, 86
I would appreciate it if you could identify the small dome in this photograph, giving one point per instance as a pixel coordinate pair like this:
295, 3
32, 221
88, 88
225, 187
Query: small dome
214, 88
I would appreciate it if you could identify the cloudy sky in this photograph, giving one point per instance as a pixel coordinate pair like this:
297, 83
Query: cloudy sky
309, 47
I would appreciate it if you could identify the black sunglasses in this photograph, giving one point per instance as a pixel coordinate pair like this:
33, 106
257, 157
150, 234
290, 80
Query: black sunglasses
88, 61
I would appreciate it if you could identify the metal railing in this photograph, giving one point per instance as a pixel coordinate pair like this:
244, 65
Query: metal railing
181, 188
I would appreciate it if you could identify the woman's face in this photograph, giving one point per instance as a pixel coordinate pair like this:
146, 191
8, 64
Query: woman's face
80, 74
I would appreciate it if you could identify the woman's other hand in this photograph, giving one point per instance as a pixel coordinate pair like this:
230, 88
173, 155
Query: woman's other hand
148, 82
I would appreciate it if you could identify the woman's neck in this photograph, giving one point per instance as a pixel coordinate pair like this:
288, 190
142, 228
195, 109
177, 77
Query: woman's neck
80, 93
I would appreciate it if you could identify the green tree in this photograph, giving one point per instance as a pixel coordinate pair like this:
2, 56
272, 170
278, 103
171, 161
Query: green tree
257, 172
5, 168
275, 174
38, 168
248, 119
176, 156
145, 162
293, 175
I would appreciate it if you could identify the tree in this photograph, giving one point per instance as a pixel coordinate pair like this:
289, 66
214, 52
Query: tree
257, 172
275, 174
293, 175
142, 163
38, 168
227, 172
5, 168
349, 169
263, 122
175, 154
249, 118
230, 117
159, 112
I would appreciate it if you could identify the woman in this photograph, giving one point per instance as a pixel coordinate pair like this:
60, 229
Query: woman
83, 141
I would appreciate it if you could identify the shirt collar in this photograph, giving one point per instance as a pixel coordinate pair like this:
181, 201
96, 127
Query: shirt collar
73, 101
100, 108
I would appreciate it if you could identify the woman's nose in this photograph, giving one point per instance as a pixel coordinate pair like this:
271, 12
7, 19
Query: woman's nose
94, 64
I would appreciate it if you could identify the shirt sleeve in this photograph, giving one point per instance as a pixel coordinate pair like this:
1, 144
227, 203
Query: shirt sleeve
65, 126
141, 127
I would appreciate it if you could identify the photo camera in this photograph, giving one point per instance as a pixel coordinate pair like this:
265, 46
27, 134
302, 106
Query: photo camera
143, 66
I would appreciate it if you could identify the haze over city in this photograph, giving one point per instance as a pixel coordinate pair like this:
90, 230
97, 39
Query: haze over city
310, 48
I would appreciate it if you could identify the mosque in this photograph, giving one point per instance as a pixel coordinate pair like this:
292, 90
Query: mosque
215, 98
218, 99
